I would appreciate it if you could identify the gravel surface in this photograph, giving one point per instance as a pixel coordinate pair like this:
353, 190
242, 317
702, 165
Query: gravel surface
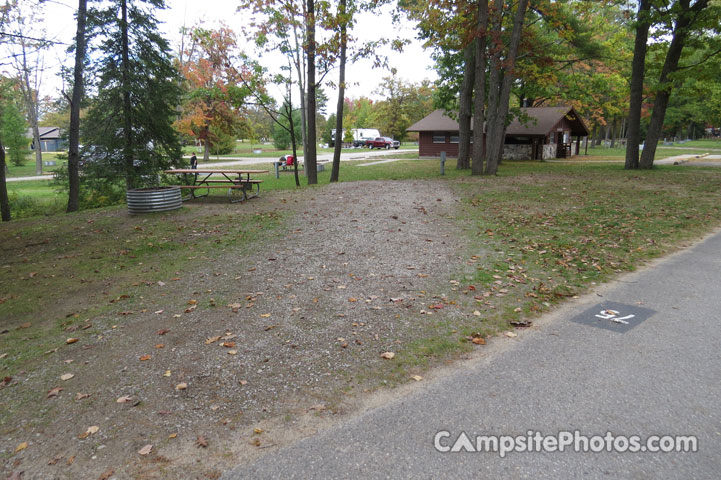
266, 346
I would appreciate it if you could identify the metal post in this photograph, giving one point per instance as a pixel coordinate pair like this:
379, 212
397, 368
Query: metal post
277, 174
443, 163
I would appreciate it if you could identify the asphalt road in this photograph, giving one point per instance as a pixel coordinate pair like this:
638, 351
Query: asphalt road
659, 376
348, 155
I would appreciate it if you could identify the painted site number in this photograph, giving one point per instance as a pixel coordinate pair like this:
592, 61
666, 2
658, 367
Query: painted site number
613, 316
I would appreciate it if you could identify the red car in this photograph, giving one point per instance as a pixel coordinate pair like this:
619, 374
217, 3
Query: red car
385, 142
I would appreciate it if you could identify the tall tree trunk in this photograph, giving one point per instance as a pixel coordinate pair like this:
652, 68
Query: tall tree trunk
638, 67
130, 180
301, 69
479, 100
293, 139
606, 134
494, 83
31, 103
206, 146
665, 84
497, 139
4, 200
74, 133
311, 160
464, 106
335, 171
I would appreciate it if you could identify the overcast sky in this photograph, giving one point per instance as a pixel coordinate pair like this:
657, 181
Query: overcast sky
413, 64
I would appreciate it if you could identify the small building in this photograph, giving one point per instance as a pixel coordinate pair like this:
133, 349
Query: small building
540, 133
50, 139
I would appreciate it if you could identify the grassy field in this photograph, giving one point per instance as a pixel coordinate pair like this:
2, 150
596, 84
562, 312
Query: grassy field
266, 150
28, 169
569, 225
527, 239
39, 198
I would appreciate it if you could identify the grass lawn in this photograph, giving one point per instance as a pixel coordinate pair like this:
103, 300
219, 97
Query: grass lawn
28, 169
91, 293
246, 149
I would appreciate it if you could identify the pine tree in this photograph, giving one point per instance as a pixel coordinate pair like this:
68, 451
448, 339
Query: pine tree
130, 122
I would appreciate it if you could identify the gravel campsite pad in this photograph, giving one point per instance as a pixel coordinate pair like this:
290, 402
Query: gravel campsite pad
226, 361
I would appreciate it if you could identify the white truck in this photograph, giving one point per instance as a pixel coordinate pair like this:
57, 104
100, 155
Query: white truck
360, 136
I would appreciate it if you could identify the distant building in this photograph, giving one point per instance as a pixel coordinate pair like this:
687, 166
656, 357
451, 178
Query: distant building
50, 140
543, 133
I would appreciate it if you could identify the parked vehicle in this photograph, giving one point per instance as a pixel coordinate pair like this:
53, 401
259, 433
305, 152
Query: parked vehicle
359, 136
385, 142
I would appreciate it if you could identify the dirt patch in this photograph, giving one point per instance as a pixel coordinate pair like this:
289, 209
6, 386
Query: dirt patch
253, 350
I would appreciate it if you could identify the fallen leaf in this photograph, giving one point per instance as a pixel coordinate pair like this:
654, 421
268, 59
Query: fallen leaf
243, 382
67, 376
522, 323
232, 352
388, 355
80, 396
511, 334
317, 408
162, 331
25, 325
124, 399
265, 315
71, 460
181, 386
55, 460
210, 340
270, 327
235, 306
167, 373
477, 313
106, 474
352, 299
3, 356
145, 358
21, 447
417, 378
54, 392
160, 345
173, 435
89, 431
191, 309
71, 340
478, 340
192, 302
201, 442
228, 344
257, 431
145, 450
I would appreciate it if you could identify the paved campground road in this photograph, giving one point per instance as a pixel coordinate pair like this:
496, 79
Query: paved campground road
359, 154
658, 375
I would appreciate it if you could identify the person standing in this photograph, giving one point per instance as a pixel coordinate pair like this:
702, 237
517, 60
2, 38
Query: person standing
194, 162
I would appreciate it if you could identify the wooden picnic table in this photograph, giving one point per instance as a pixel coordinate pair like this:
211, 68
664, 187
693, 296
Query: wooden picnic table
235, 180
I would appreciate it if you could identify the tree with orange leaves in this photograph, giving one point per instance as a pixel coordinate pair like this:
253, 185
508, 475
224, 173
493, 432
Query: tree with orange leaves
218, 82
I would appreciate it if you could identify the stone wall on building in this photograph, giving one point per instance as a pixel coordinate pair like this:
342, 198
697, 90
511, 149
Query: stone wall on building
549, 151
516, 152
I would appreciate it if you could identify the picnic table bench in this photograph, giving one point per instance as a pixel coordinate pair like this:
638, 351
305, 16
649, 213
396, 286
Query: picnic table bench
237, 181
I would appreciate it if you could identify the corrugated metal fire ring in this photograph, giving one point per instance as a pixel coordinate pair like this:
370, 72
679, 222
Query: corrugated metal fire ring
158, 199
